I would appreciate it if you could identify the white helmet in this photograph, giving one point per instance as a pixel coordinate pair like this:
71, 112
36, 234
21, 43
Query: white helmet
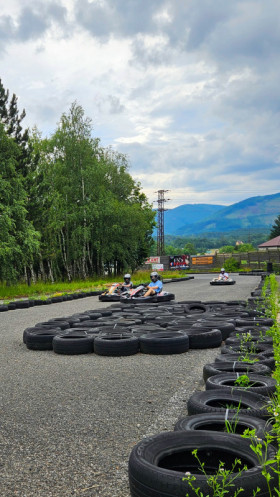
154, 276
127, 278
222, 270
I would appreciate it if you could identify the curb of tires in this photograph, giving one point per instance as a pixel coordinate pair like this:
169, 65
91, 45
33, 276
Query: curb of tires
25, 304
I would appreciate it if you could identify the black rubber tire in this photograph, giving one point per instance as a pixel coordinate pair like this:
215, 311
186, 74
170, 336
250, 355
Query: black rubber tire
53, 324
254, 322
55, 300
204, 339
268, 361
22, 304
262, 385
244, 402
217, 421
258, 339
211, 369
36, 329
87, 324
73, 344
196, 308
256, 347
109, 298
41, 339
221, 283
12, 306
164, 343
4, 308
157, 465
225, 327
119, 344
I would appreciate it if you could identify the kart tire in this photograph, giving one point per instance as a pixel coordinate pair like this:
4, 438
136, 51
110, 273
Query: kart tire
164, 343
211, 369
73, 343
158, 464
164, 298
259, 384
221, 283
241, 401
118, 344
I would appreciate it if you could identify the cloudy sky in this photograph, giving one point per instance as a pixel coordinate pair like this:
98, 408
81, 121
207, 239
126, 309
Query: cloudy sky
188, 89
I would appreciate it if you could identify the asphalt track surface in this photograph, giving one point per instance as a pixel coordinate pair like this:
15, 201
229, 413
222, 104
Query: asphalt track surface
68, 423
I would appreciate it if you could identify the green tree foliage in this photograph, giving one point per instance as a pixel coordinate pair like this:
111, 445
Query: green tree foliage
170, 250
89, 210
18, 239
189, 248
245, 247
226, 249
275, 230
12, 122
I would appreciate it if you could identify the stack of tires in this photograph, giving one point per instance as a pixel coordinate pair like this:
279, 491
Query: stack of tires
209, 440
161, 329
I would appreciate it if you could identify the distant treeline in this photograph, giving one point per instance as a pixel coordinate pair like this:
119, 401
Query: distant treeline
68, 206
207, 241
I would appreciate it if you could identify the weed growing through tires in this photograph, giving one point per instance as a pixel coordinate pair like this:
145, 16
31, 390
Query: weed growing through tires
221, 482
243, 381
266, 464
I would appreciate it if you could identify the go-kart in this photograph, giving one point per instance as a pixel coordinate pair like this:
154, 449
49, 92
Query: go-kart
218, 282
114, 293
137, 296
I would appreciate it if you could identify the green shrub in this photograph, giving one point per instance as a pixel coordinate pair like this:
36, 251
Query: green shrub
231, 264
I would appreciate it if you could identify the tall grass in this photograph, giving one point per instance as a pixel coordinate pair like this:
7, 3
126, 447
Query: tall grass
41, 289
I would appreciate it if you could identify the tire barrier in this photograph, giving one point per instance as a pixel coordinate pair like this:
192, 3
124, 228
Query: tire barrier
157, 464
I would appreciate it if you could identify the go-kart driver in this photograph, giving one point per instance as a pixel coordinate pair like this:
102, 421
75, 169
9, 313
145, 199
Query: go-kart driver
223, 275
155, 286
127, 283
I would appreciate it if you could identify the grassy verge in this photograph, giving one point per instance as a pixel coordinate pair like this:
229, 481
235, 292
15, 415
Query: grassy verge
45, 290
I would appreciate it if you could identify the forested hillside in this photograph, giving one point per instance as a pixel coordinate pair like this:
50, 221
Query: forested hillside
68, 206
252, 213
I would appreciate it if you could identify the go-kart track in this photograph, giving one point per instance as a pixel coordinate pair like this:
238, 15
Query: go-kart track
69, 423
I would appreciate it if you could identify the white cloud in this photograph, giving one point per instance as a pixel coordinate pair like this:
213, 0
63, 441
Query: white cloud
189, 90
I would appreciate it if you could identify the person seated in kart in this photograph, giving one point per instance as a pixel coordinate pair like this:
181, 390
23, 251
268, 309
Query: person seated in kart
223, 275
155, 286
127, 283
118, 288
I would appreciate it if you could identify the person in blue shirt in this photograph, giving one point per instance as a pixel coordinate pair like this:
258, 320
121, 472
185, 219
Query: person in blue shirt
155, 286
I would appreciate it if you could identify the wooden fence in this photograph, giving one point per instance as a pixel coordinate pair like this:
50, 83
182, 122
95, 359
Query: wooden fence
253, 260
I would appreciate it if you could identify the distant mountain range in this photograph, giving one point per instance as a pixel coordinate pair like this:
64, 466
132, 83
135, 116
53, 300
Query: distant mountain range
253, 213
